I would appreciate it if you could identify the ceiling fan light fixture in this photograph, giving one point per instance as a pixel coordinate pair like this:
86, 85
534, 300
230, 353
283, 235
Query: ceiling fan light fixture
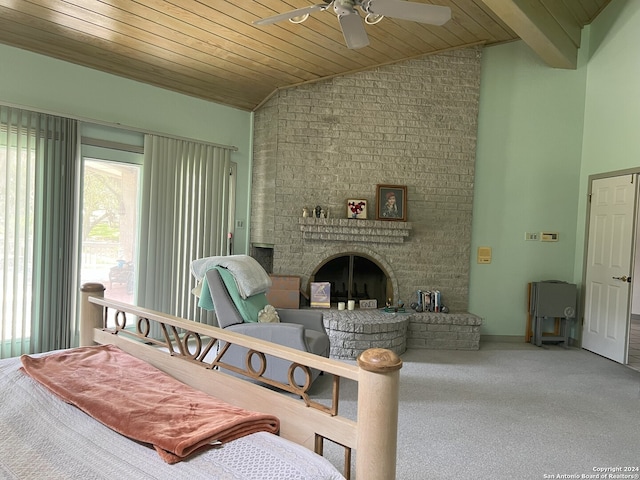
372, 18
299, 18
350, 15
344, 7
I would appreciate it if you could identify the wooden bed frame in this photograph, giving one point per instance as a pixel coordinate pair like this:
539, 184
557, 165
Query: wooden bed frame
188, 353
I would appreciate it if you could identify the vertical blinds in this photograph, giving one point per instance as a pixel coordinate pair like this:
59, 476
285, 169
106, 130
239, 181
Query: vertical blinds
185, 215
38, 203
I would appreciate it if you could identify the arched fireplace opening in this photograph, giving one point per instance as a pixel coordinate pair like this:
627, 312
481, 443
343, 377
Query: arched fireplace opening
354, 277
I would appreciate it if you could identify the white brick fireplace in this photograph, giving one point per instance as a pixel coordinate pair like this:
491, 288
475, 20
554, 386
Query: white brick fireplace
414, 124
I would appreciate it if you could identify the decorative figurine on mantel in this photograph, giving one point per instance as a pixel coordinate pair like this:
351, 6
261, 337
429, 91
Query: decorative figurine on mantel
305, 212
318, 211
390, 308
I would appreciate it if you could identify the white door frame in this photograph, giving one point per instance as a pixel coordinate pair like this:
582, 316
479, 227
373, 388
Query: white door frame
585, 266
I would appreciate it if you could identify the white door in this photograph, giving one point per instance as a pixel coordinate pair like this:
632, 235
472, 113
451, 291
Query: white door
609, 254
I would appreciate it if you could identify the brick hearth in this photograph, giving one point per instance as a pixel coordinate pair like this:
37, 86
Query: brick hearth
353, 332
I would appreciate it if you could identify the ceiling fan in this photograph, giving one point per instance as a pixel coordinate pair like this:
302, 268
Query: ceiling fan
351, 23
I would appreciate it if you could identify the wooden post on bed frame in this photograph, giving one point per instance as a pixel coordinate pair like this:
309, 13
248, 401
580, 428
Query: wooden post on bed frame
378, 396
90, 314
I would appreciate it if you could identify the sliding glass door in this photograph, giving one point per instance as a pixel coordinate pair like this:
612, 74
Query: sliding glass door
110, 225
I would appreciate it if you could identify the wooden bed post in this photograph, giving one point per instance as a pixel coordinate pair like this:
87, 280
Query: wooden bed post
90, 314
378, 396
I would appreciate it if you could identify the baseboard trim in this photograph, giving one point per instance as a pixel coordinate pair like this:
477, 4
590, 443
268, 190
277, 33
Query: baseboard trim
517, 339
503, 338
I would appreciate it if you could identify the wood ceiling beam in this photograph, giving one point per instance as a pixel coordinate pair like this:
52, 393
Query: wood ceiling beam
545, 25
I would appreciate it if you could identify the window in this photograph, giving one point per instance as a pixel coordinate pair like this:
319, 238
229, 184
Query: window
110, 221
70, 213
110, 225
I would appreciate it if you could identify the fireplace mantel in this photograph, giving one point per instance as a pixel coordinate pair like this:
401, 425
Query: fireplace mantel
353, 230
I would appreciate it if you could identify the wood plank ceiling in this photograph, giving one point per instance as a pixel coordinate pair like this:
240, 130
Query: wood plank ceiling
209, 48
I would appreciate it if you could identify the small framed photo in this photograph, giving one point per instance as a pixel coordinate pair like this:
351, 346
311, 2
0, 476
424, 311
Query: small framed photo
356, 208
391, 202
320, 294
369, 304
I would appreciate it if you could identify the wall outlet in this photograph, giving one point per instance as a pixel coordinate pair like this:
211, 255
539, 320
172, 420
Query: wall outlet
530, 236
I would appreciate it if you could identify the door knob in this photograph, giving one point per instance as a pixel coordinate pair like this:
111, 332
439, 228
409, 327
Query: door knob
623, 278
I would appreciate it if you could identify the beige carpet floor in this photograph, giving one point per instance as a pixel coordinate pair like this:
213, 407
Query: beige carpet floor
510, 411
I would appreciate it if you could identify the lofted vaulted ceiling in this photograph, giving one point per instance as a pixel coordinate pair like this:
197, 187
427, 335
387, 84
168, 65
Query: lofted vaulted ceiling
211, 50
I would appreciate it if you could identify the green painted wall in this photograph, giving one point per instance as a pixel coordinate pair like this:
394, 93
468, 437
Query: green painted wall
542, 132
34, 81
527, 180
612, 108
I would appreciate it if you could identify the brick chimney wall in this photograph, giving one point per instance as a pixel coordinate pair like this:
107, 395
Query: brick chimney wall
412, 123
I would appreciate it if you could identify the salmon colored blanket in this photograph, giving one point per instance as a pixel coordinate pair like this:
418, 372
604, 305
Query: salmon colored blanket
141, 402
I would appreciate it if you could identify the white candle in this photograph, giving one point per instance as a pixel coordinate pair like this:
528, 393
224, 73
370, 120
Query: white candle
340, 305
351, 305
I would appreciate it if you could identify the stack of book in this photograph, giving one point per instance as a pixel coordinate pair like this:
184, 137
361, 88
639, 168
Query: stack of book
429, 301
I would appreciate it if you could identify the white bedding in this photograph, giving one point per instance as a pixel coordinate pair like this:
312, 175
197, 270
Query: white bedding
42, 437
249, 275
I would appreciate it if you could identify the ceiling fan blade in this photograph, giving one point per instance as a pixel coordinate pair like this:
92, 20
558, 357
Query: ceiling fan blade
292, 14
416, 12
355, 36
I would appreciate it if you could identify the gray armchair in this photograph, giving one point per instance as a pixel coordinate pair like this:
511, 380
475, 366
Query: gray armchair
300, 329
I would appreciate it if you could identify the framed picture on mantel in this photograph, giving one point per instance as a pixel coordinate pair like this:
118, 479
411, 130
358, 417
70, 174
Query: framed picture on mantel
320, 294
391, 202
